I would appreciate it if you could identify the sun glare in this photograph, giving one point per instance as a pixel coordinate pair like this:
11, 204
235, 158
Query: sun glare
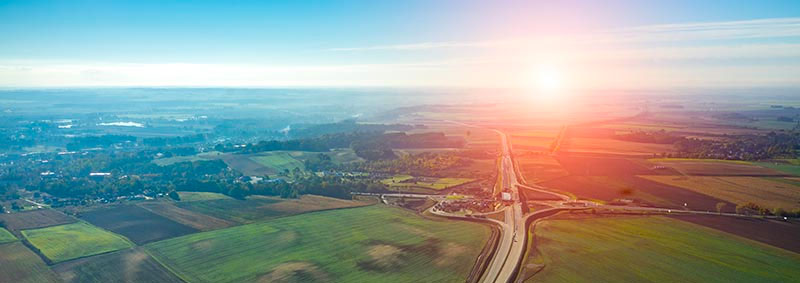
548, 79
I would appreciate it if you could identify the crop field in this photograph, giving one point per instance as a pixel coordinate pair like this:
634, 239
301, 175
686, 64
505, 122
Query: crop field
612, 146
761, 191
402, 182
711, 167
70, 241
781, 234
233, 210
197, 196
540, 168
136, 223
607, 188
477, 169
244, 164
6, 236
20, 264
278, 161
257, 208
634, 126
377, 244
131, 265
636, 249
34, 219
308, 203
542, 143
606, 166
189, 218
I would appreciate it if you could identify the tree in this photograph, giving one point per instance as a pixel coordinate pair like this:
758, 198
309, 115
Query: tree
720, 206
174, 195
780, 212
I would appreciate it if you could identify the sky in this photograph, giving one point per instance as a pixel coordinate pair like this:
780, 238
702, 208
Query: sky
610, 44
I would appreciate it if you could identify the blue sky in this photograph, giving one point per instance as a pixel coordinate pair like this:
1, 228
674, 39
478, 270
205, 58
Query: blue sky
395, 43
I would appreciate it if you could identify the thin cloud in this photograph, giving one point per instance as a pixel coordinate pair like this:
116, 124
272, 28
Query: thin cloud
727, 30
428, 45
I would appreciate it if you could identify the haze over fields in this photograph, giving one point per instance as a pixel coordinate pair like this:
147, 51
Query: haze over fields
413, 141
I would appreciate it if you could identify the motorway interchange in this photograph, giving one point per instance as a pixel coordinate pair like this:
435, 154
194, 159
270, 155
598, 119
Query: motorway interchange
511, 246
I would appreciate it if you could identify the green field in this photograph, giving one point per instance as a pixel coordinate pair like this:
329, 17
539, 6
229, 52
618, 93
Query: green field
257, 208
338, 156
130, 265
240, 211
405, 181
198, 196
278, 161
20, 264
65, 242
653, 249
366, 244
6, 236
792, 168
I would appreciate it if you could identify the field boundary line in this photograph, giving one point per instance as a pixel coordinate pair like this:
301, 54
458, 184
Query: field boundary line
177, 275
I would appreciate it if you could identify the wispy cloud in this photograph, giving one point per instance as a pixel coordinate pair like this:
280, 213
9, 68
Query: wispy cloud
702, 31
429, 45
728, 30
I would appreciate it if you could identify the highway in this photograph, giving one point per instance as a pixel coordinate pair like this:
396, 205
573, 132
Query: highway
512, 242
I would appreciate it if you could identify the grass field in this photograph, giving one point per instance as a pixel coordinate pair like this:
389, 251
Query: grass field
34, 219
131, 265
761, 191
136, 223
402, 182
19, 264
65, 242
278, 161
653, 249
189, 218
6, 236
367, 244
791, 168
257, 208
197, 196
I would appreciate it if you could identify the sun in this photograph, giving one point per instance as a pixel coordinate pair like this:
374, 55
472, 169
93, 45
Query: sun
548, 78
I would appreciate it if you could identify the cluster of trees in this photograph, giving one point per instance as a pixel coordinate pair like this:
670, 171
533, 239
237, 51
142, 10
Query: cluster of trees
319, 162
381, 147
750, 147
346, 126
423, 164
311, 184
752, 208
79, 143
174, 141
320, 144
9, 141
744, 147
